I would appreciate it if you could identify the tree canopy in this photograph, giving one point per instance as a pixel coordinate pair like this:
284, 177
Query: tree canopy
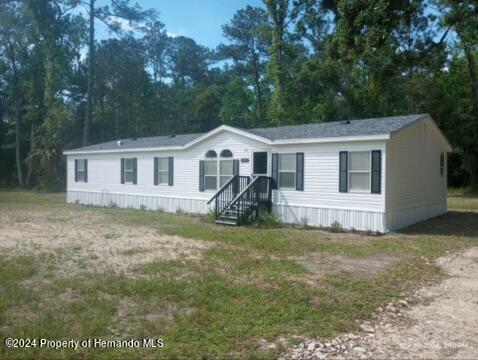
287, 62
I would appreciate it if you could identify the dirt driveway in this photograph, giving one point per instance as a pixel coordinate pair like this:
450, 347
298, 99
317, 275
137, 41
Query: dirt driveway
437, 322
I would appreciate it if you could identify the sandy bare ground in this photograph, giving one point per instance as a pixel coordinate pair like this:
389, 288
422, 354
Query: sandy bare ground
444, 322
438, 322
89, 241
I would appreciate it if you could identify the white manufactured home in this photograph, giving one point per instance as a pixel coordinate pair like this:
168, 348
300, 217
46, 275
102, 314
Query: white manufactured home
375, 174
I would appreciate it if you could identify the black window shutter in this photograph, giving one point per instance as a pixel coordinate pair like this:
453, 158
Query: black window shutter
235, 167
122, 170
156, 178
299, 174
343, 171
86, 170
135, 171
275, 170
76, 170
442, 164
171, 171
201, 175
376, 171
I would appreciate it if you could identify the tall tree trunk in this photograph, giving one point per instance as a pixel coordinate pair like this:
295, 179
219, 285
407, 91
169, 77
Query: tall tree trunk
471, 63
278, 11
32, 147
18, 155
91, 65
470, 59
280, 82
257, 84
102, 118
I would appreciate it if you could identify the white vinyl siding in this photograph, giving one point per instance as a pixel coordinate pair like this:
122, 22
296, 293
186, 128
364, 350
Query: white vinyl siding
415, 188
163, 170
81, 170
359, 171
287, 169
320, 179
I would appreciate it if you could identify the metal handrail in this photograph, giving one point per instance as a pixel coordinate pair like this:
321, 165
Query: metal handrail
245, 189
221, 189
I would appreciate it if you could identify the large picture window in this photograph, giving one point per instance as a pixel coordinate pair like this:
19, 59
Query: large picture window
128, 171
287, 170
217, 171
359, 171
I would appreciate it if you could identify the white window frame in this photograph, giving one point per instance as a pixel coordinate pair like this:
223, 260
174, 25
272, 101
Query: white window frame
218, 175
126, 170
369, 172
279, 171
212, 176
80, 173
161, 171
267, 162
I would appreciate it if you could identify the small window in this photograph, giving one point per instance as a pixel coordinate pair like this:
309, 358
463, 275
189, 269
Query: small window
128, 171
442, 164
210, 174
287, 169
211, 154
81, 170
226, 153
163, 171
359, 171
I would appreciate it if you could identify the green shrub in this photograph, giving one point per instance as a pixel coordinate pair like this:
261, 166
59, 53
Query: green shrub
270, 219
336, 227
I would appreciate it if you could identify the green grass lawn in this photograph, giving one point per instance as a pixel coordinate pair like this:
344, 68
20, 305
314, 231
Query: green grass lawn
247, 287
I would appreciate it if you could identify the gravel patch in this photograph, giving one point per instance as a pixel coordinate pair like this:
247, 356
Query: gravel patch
437, 322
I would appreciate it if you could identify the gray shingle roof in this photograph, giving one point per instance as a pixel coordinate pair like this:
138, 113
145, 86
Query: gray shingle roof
144, 142
375, 126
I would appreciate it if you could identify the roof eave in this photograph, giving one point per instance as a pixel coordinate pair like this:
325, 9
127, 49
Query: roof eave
332, 139
269, 142
122, 150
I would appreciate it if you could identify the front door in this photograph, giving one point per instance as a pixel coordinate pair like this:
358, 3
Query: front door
259, 163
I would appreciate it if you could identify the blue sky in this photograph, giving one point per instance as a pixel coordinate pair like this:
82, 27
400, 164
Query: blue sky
200, 20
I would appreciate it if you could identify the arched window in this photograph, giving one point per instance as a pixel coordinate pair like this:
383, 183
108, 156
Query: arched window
217, 172
226, 153
211, 154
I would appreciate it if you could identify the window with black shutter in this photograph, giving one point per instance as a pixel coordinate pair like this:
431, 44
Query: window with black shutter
129, 171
